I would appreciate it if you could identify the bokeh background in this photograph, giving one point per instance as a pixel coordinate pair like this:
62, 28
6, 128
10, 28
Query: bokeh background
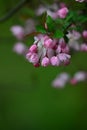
27, 99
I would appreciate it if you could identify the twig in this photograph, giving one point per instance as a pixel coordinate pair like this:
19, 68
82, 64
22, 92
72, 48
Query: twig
13, 11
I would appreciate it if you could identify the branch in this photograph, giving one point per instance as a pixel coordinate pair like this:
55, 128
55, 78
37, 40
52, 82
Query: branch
13, 11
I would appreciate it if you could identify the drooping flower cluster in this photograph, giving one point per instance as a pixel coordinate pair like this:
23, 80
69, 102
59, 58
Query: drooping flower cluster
57, 32
46, 51
77, 41
79, 77
80, 0
54, 11
63, 78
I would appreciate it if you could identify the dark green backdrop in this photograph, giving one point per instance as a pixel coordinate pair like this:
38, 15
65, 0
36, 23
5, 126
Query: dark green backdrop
27, 99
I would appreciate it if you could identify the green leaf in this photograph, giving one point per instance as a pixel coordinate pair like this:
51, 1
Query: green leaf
40, 28
42, 18
50, 23
58, 34
69, 17
49, 20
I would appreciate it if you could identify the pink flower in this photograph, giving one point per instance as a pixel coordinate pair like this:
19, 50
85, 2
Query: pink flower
83, 47
63, 57
74, 39
28, 55
45, 61
50, 53
59, 49
34, 58
19, 48
33, 48
48, 43
61, 80
78, 77
58, 83
62, 13
84, 34
73, 81
54, 61
66, 49
18, 32
62, 43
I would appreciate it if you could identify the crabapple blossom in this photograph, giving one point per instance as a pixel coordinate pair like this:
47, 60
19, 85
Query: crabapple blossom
18, 31
19, 48
51, 9
55, 61
61, 80
63, 57
74, 40
33, 48
84, 34
47, 51
78, 77
83, 47
45, 61
62, 13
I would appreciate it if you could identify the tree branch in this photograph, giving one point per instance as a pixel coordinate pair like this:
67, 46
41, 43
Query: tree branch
13, 11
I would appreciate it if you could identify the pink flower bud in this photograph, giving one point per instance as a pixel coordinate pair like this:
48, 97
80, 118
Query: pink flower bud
19, 48
66, 49
63, 57
50, 53
62, 12
84, 34
73, 81
28, 55
61, 80
59, 49
55, 61
58, 83
83, 47
62, 43
36, 65
33, 48
67, 62
45, 61
48, 43
18, 32
80, 76
34, 58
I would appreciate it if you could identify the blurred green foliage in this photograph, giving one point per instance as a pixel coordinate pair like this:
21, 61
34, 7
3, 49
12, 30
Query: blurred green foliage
27, 99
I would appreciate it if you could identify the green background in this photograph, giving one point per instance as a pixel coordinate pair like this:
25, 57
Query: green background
27, 99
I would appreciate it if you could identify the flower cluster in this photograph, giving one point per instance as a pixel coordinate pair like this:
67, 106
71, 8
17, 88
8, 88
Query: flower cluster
63, 78
57, 31
80, 0
19, 32
46, 51
77, 41
54, 11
